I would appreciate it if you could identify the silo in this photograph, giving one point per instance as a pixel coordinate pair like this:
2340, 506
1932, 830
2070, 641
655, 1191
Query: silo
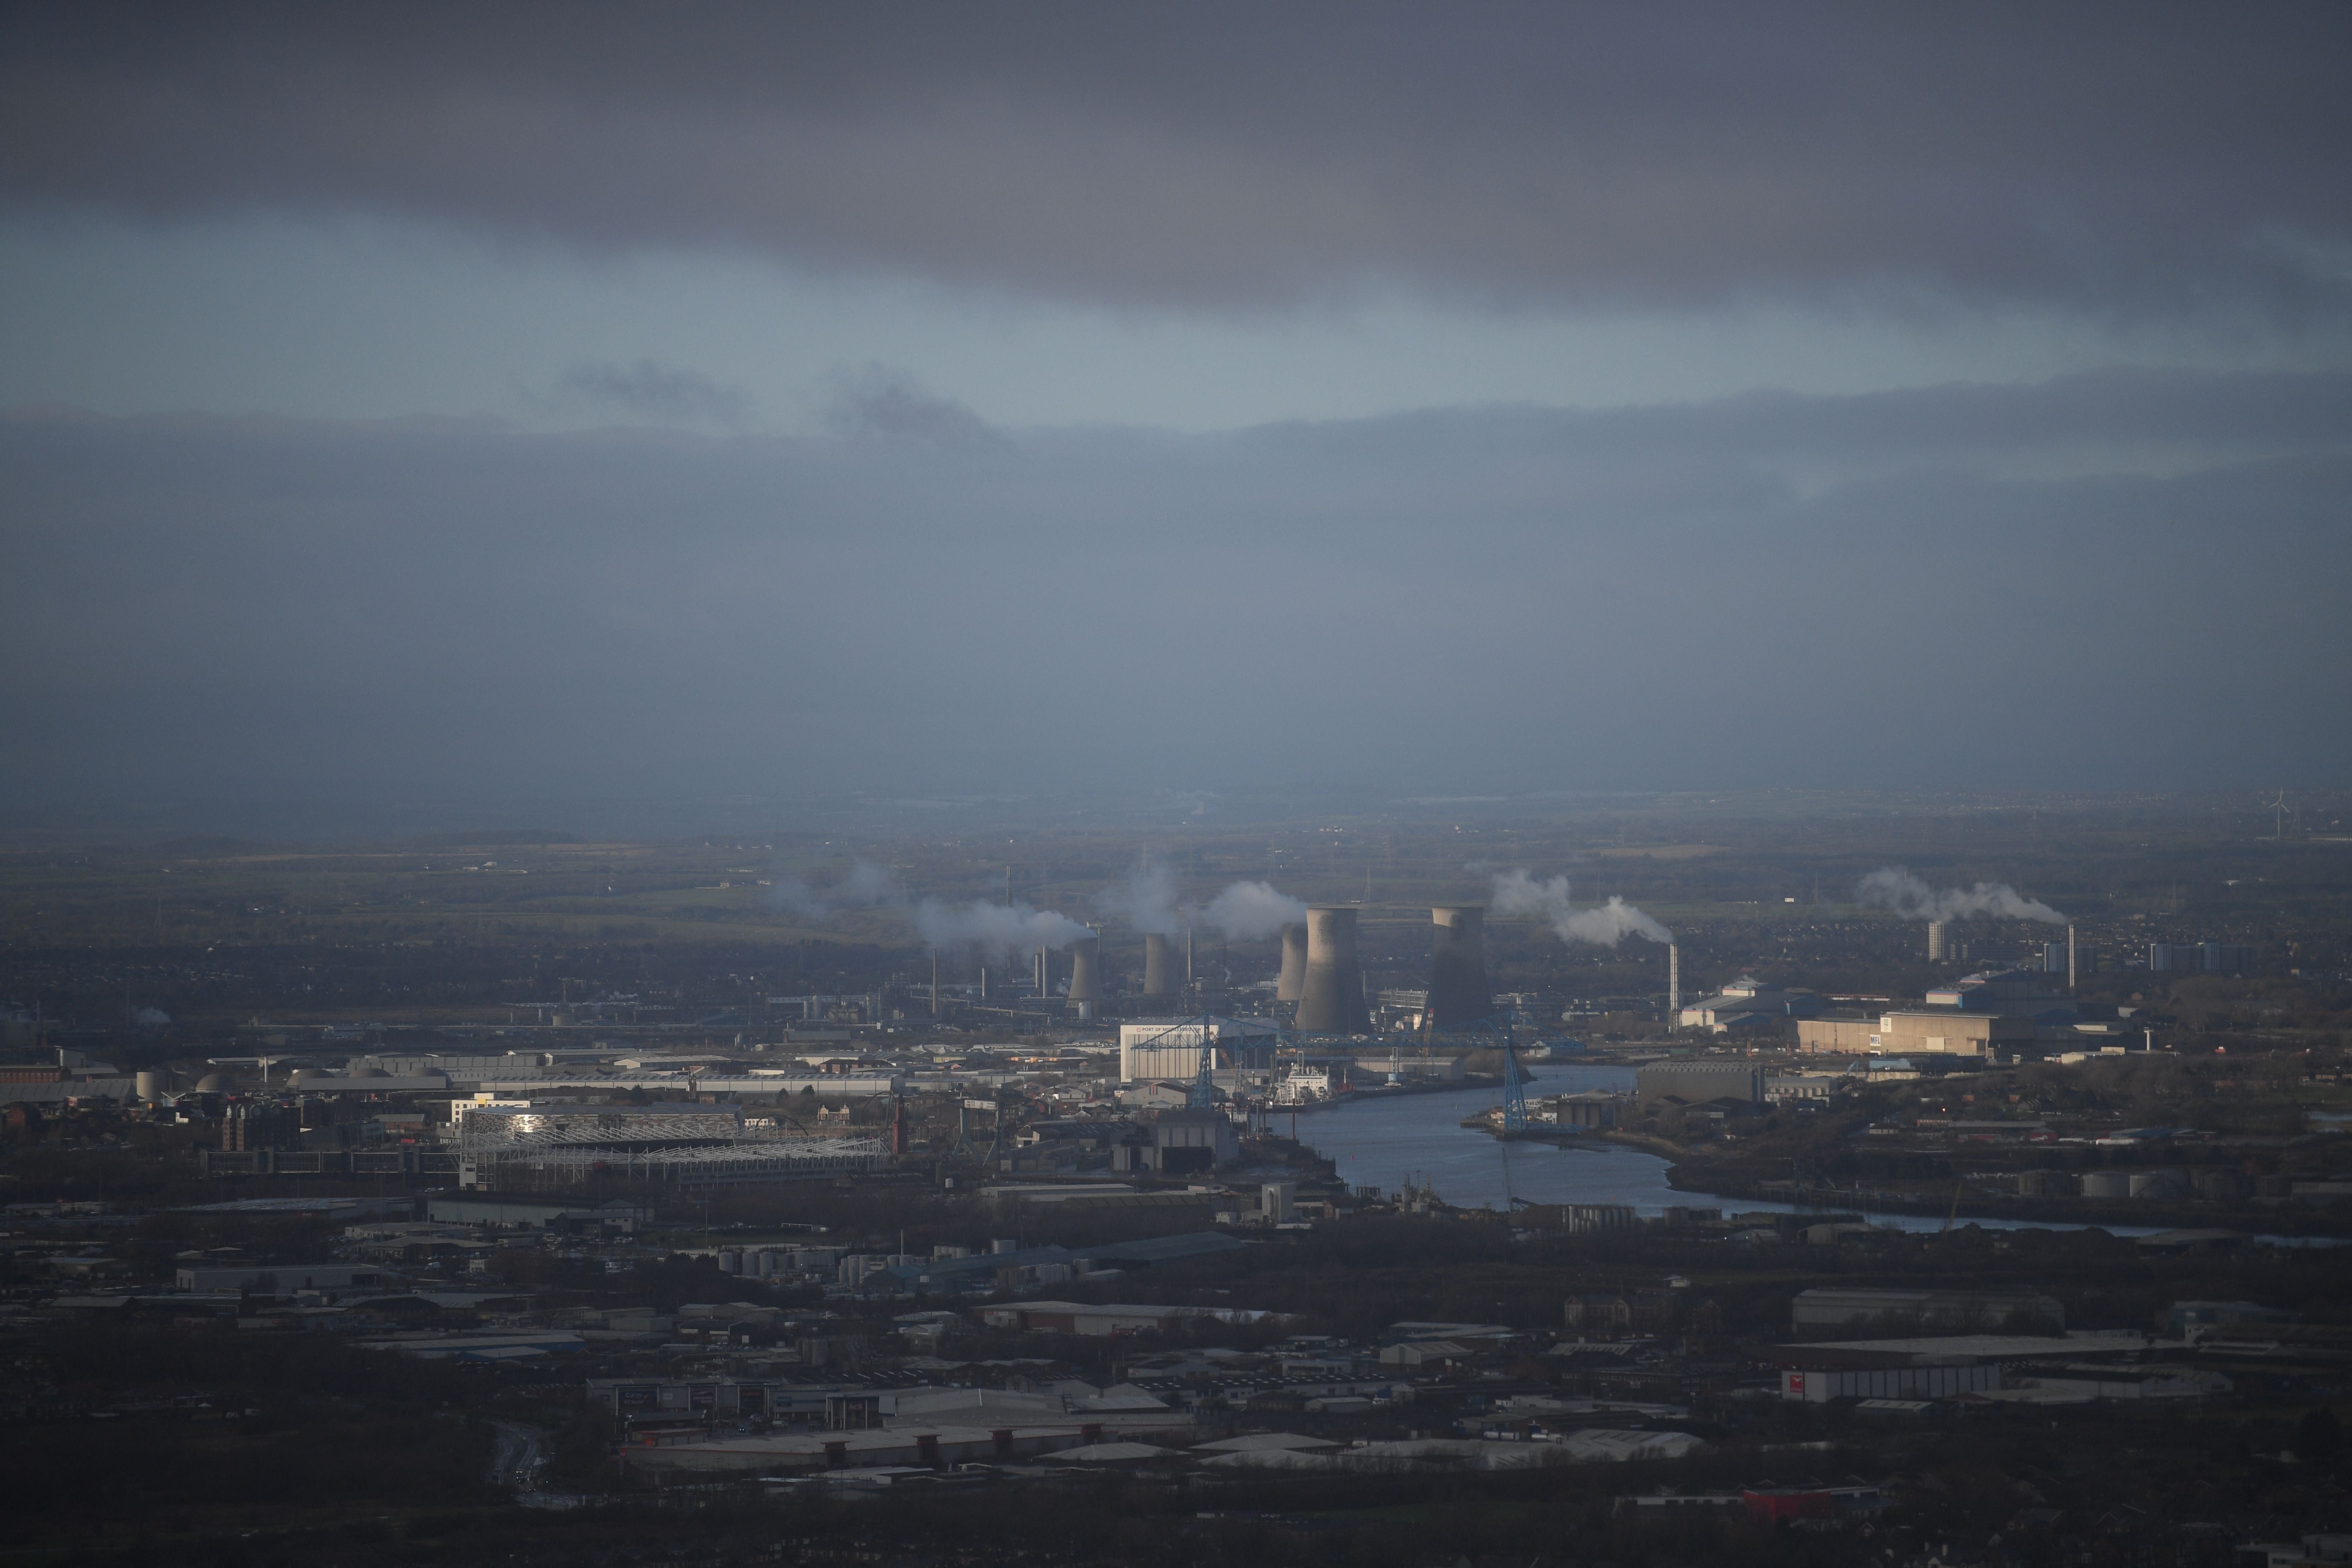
1083, 955
1457, 966
1155, 965
2107, 1185
1938, 939
1331, 997
1292, 981
149, 1087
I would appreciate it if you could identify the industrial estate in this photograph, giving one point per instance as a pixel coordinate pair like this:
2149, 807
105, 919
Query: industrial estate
1895, 1199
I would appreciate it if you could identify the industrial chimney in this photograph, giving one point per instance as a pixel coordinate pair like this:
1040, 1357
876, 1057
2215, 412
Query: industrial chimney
1331, 997
1155, 965
1292, 981
1673, 985
1457, 966
1085, 954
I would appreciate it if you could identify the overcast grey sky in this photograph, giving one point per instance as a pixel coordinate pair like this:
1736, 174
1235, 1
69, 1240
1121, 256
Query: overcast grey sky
608, 400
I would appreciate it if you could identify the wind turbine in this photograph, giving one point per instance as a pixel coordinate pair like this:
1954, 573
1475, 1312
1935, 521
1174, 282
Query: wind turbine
2278, 818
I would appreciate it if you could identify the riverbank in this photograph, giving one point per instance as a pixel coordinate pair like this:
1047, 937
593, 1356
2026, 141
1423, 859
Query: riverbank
1698, 1179
1481, 1081
1389, 1141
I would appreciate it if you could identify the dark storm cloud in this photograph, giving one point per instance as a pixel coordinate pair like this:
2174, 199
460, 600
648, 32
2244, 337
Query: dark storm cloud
2127, 158
649, 390
2105, 581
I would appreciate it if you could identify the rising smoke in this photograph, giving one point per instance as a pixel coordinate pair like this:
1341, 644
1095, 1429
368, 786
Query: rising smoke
1244, 911
1604, 925
1146, 900
998, 930
1895, 887
866, 887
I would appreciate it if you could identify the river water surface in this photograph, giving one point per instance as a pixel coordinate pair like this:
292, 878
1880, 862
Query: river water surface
1384, 1139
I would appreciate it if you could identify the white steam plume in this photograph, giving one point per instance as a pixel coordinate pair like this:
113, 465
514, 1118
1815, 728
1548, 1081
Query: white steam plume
998, 930
1245, 911
1249, 911
1146, 900
1895, 887
1606, 925
866, 887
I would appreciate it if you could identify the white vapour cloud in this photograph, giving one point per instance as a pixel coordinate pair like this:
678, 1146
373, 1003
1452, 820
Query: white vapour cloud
1249, 911
1897, 887
866, 887
1146, 900
1604, 925
998, 930
1245, 911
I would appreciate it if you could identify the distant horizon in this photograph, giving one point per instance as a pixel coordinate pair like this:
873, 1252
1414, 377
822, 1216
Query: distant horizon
410, 418
2322, 814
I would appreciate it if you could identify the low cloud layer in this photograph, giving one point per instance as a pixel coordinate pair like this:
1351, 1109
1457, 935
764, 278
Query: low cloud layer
1603, 925
1839, 592
2118, 161
1895, 887
656, 392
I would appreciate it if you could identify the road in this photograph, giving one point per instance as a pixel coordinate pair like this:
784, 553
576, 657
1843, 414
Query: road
520, 1453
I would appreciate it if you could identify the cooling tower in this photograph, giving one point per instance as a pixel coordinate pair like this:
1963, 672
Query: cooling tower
1292, 979
1331, 998
1084, 957
1457, 966
1155, 965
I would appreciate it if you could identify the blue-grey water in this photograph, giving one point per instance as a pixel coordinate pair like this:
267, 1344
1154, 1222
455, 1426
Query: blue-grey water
1385, 1140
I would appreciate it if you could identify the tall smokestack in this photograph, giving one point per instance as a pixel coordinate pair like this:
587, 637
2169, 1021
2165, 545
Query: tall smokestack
1292, 979
1083, 955
1155, 965
1674, 984
935, 982
1457, 965
2071, 959
1042, 974
1331, 999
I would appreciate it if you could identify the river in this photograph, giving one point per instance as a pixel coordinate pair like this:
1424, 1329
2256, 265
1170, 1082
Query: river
1383, 1141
